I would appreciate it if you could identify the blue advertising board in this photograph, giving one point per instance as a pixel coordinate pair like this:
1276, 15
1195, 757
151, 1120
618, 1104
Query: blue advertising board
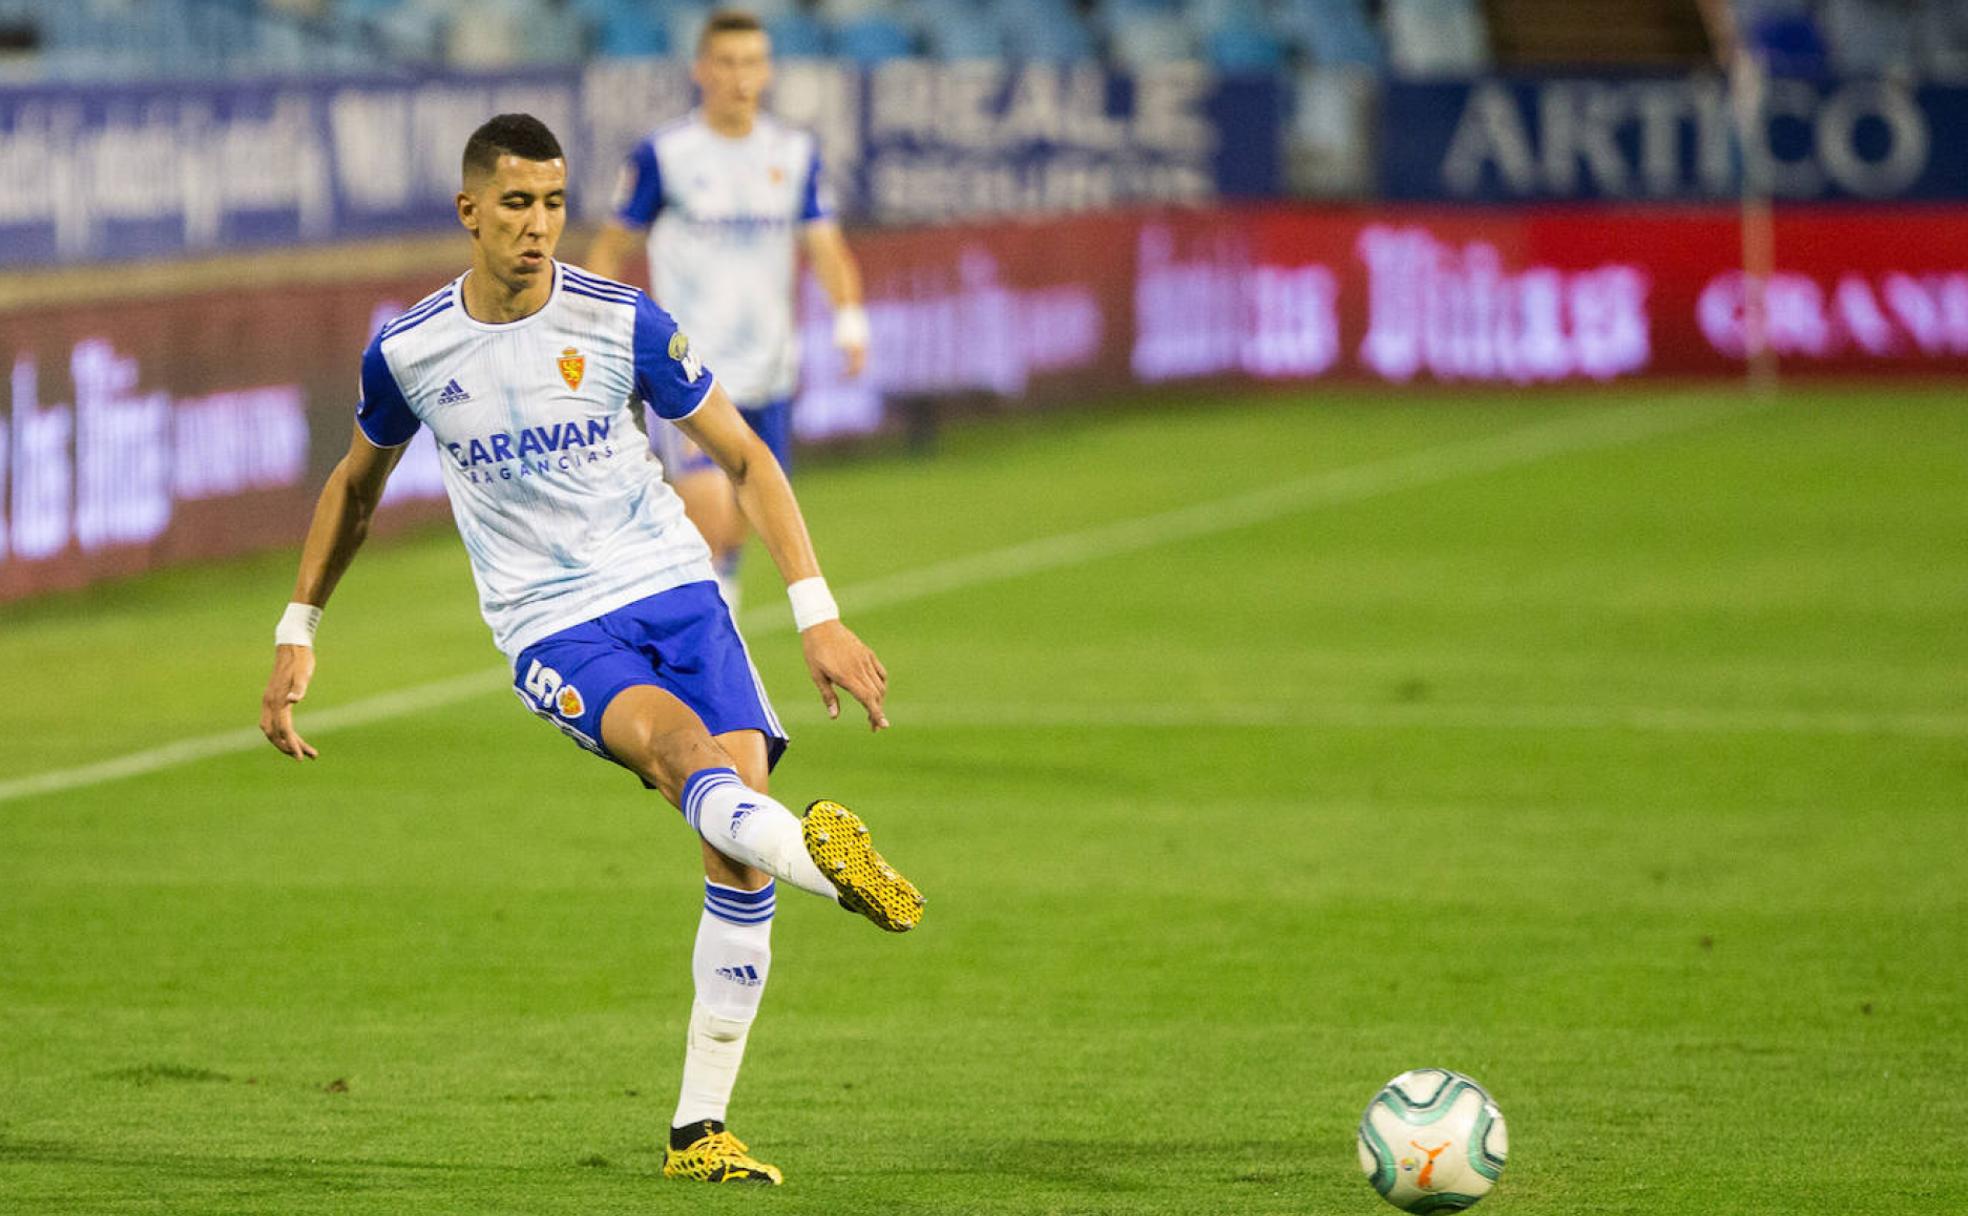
92, 173
949, 140
1672, 138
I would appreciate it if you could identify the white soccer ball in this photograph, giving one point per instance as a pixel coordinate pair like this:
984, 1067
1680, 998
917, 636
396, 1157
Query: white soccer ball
1432, 1141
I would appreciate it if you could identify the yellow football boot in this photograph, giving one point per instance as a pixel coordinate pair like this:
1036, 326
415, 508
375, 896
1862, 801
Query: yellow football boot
838, 842
718, 1156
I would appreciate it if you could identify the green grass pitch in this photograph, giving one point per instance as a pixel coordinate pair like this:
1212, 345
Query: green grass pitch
1629, 779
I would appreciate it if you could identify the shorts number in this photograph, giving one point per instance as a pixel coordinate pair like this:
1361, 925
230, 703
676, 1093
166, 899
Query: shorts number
542, 683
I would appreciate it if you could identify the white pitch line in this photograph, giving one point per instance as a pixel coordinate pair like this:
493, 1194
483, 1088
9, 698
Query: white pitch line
1595, 429
379, 708
1430, 466
1426, 716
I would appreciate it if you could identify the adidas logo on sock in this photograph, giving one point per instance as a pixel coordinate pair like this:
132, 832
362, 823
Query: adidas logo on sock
453, 393
747, 975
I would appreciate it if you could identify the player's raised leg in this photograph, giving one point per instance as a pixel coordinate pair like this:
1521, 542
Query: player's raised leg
657, 736
654, 734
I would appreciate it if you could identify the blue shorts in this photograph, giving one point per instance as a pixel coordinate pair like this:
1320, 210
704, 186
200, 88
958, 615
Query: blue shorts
681, 640
773, 422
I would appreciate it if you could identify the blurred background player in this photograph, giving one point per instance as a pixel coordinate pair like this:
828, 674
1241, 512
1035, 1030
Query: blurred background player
726, 189
526, 372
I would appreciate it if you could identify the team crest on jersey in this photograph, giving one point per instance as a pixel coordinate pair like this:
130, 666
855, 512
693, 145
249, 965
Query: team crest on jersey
681, 352
573, 364
569, 702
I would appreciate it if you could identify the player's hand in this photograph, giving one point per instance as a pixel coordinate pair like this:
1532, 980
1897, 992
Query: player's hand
851, 338
835, 657
293, 667
854, 358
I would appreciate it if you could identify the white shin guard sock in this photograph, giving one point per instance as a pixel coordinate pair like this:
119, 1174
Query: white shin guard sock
730, 964
751, 828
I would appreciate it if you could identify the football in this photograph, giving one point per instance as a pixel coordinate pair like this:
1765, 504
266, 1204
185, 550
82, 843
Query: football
1432, 1141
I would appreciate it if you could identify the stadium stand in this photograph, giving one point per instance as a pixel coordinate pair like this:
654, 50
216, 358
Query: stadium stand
1871, 37
165, 39
1436, 37
1562, 33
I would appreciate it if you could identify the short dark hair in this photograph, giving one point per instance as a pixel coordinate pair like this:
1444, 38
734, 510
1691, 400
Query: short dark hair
727, 21
520, 135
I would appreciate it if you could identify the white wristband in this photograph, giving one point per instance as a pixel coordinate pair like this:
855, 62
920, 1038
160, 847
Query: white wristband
851, 326
813, 604
297, 625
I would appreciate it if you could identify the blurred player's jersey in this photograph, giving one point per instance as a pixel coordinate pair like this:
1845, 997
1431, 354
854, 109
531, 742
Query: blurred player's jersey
563, 511
726, 216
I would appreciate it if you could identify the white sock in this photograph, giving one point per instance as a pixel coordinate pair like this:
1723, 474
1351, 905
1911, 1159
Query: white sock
730, 964
751, 828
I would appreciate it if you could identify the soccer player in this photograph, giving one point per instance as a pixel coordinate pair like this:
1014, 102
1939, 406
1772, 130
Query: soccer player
527, 372
727, 188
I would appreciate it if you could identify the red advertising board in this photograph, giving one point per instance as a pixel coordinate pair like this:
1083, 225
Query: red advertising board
136, 434
141, 433
1053, 311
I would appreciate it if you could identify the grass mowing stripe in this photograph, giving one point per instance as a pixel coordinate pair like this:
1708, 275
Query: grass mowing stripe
382, 707
1475, 716
1598, 428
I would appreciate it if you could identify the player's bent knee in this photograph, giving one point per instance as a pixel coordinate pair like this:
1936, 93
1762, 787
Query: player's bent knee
659, 739
666, 759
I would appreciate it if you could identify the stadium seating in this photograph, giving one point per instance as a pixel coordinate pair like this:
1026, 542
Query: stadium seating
622, 28
954, 29
1043, 29
1244, 48
126, 39
872, 38
1943, 42
1436, 37
1332, 33
796, 35
1569, 34
1871, 37
1140, 34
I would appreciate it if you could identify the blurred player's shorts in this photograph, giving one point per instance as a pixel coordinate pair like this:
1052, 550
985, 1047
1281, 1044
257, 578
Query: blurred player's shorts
773, 422
681, 640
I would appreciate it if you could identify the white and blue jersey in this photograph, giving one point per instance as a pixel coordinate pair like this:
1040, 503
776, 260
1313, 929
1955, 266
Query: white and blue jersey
726, 214
564, 513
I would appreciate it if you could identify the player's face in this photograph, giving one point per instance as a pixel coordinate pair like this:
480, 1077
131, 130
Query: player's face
733, 70
515, 215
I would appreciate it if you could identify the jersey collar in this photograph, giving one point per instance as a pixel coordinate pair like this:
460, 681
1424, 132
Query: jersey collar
553, 297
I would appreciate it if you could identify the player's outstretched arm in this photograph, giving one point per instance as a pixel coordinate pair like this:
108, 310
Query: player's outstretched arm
840, 278
341, 522
835, 658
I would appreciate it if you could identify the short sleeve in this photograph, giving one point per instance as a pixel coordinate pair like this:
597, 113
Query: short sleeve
639, 189
817, 201
383, 414
668, 374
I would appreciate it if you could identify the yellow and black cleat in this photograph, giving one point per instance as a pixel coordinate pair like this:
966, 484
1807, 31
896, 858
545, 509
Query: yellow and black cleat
838, 842
718, 1156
